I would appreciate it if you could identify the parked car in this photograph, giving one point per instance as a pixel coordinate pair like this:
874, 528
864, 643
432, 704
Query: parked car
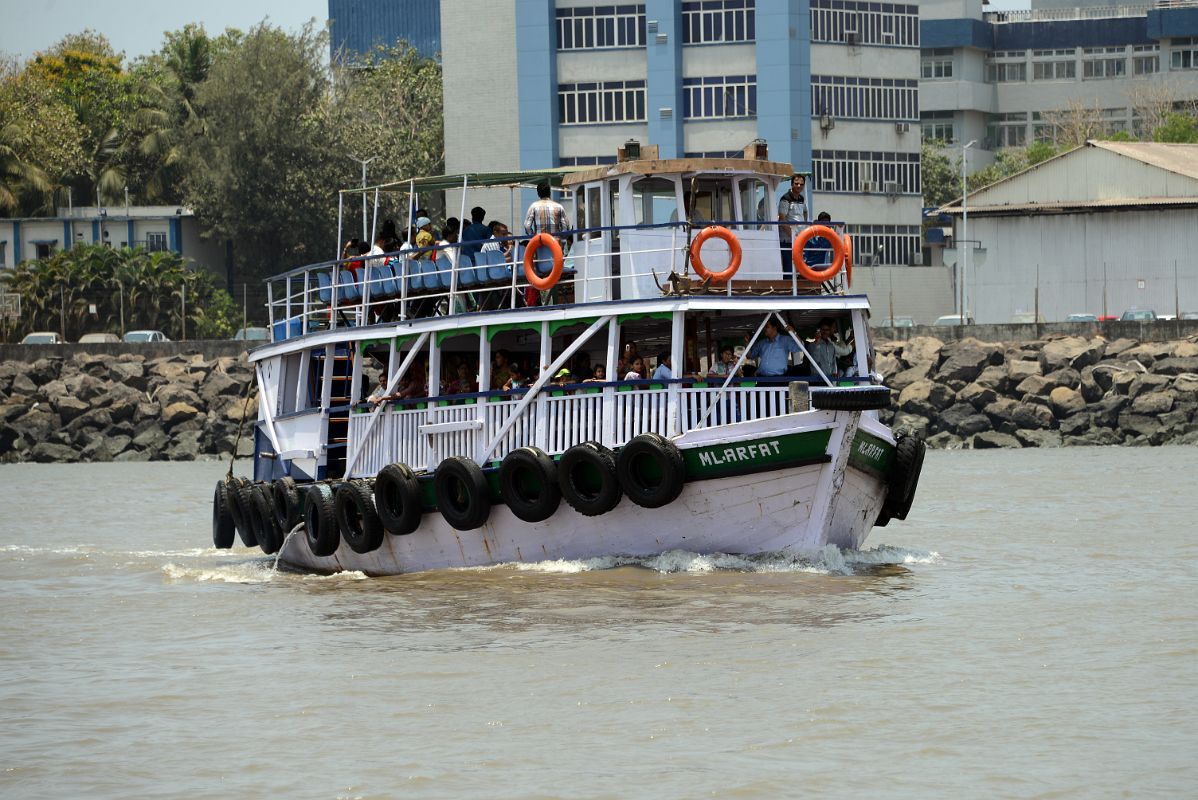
42, 337
252, 334
99, 338
898, 322
952, 319
1026, 317
146, 336
1188, 315
1138, 315
1082, 318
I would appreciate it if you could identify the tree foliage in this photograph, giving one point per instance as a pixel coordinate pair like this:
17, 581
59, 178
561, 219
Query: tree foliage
941, 181
130, 289
1177, 129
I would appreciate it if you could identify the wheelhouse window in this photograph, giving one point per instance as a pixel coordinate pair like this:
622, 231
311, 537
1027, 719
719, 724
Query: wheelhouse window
654, 200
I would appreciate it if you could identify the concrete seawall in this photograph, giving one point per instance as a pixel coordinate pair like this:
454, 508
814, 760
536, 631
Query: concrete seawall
218, 348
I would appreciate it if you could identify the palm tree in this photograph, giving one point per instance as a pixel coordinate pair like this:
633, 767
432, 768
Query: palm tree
16, 175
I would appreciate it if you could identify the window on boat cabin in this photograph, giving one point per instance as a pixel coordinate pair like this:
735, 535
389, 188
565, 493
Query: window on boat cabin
515, 349
755, 206
581, 365
290, 399
708, 199
594, 210
654, 200
643, 336
459, 367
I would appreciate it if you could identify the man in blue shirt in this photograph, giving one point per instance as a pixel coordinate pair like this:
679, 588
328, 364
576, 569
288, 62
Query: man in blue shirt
663, 372
476, 231
772, 351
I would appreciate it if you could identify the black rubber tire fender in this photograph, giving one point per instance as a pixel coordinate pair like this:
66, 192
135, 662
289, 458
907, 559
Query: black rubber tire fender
588, 480
320, 521
357, 520
528, 484
869, 398
651, 470
224, 530
266, 529
463, 497
397, 499
242, 508
286, 498
909, 451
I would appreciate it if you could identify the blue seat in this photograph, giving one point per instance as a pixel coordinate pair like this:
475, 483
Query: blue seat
423, 279
467, 276
347, 287
325, 281
497, 270
443, 270
382, 281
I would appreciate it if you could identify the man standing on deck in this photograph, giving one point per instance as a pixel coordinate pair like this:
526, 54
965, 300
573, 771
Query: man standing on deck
773, 350
476, 231
792, 207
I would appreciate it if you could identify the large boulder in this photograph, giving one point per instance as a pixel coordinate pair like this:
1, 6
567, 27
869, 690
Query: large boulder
68, 407
919, 372
1147, 353
146, 411
925, 398
1039, 438
170, 394
43, 370
24, 385
1077, 424
1101, 437
922, 350
1175, 365
186, 447
1139, 425
994, 378
176, 413
975, 423
152, 440
1034, 385
1089, 386
1066, 402
36, 424
50, 453
218, 384
84, 386
1145, 383
129, 373
1031, 415
1119, 347
965, 360
1020, 370
1072, 351
1152, 403
944, 441
105, 448
1105, 412
993, 439
977, 395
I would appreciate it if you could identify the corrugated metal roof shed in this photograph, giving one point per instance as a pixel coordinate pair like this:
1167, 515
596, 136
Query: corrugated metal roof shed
1097, 175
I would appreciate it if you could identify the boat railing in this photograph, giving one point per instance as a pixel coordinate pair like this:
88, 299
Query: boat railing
422, 432
450, 279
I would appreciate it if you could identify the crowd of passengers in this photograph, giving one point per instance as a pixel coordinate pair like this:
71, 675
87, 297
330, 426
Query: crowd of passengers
773, 354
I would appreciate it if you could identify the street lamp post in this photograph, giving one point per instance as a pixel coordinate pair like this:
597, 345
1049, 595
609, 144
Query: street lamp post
363, 162
964, 229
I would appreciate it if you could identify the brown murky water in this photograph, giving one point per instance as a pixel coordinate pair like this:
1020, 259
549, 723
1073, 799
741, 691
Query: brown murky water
1030, 631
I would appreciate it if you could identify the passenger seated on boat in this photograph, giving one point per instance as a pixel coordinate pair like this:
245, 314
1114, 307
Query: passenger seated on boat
825, 349
628, 356
424, 238
516, 379
598, 375
562, 377
498, 231
476, 231
462, 383
380, 395
413, 383
663, 371
773, 350
636, 370
725, 364
500, 369
350, 249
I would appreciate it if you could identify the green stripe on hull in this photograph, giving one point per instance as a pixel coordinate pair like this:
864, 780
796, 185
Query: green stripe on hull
871, 454
757, 455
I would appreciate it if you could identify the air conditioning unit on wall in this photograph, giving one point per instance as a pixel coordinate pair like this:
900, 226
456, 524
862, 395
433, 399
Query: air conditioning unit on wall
902, 127
867, 186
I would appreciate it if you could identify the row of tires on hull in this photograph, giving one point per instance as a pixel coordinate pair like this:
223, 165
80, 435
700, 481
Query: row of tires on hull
649, 470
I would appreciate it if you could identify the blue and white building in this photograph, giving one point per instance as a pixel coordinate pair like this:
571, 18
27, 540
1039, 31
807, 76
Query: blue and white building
830, 85
152, 227
358, 26
1006, 79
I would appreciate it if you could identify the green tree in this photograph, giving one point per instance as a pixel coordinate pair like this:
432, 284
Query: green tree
1177, 129
260, 172
940, 181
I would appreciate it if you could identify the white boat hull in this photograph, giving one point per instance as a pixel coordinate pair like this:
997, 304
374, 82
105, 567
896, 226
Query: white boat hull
791, 508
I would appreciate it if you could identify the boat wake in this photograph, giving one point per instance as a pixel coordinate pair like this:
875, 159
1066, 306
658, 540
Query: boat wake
829, 560
257, 570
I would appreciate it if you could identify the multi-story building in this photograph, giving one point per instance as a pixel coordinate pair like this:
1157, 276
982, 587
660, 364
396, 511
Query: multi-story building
1007, 79
830, 85
358, 26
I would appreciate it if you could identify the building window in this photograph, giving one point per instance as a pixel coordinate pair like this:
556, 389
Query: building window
936, 63
155, 241
898, 244
845, 97
937, 126
600, 27
1060, 70
593, 103
1103, 62
585, 161
1185, 54
1003, 68
1146, 59
719, 21
865, 171
719, 97
1007, 130
864, 23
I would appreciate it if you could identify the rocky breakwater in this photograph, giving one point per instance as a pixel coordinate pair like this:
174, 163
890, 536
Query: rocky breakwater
92, 407
1062, 390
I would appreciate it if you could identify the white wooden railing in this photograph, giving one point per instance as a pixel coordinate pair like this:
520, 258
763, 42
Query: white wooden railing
423, 437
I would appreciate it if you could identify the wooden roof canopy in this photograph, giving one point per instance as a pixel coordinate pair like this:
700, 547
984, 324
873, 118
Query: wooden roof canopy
668, 166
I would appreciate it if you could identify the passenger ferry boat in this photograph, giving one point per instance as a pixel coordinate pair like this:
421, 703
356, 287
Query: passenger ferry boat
705, 457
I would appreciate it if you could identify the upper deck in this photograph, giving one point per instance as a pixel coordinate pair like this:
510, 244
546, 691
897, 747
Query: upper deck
632, 239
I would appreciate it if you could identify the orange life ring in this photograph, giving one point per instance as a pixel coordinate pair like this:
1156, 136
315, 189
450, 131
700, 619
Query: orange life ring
733, 245
848, 259
555, 274
796, 253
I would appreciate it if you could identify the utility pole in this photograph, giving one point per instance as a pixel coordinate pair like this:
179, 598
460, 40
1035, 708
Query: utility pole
964, 226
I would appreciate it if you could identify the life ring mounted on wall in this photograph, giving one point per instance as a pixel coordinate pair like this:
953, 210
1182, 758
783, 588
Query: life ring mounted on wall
728, 236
